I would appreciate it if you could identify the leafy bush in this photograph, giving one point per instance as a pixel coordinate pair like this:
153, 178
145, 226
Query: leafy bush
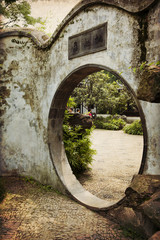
77, 146
134, 128
109, 123
99, 123
110, 126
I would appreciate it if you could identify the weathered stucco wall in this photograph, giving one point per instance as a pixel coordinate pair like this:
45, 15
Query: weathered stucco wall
153, 34
36, 82
152, 109
25, 92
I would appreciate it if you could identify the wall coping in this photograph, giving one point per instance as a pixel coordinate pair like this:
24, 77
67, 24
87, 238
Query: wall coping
38, 37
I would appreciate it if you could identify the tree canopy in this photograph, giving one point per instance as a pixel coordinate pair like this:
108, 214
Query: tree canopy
15, 13
104, 91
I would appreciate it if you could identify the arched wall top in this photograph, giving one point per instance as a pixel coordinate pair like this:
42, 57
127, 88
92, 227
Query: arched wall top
42, 41
130, 6
38, 37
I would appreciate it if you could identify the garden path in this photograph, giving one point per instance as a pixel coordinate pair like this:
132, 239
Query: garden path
118, 158
31, 211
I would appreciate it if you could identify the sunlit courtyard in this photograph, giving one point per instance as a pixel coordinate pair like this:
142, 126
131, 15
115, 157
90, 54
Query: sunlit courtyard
117, 159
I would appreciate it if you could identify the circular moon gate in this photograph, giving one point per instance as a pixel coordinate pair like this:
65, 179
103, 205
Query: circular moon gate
56, 145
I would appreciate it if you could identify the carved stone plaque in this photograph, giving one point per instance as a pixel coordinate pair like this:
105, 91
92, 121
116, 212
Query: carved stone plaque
90, 41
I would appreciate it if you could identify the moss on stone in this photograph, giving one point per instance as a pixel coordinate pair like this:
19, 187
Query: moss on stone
149, 85
4, 93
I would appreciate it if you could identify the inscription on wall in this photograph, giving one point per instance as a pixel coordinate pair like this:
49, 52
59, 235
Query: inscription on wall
90, 41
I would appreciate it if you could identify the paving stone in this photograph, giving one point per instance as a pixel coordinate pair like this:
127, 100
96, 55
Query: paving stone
32, 213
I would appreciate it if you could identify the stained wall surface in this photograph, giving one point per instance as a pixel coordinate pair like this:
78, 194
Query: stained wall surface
37, 78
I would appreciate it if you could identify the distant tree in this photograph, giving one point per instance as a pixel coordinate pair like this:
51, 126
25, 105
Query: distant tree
15, 13
103, 90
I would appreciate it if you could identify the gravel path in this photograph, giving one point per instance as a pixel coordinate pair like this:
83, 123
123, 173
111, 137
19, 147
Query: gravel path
30, 212
118, 158
33, 212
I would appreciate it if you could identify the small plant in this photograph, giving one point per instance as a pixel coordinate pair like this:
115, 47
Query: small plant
77, 146
133, 234
134, 128
29, 179
32, 181
157, 63
144, 65
109, 123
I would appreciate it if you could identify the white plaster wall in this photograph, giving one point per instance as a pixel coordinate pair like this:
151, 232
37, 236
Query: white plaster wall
122, 53
39, 73
26, 149
152, 115
24, 145
121, 44
152, 43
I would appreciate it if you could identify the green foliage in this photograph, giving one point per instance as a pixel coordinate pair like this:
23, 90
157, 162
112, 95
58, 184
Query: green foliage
2, 190
109, 123
29, 179
157, 63
104, 91
77, 146
133, 234
17, 12
71, 102
134, 128
143, 65
47, 188
134, 70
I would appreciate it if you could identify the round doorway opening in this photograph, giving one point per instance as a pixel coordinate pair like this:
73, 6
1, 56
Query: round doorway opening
119, 155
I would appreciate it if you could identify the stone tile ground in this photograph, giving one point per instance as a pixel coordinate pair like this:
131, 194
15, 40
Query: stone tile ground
33, 212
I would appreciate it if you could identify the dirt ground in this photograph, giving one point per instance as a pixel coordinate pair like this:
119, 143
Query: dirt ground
31, 211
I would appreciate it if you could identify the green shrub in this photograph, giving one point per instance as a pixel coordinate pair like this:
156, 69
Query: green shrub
134, 128
110, 126
77, 146
132, 233
109, 123
99, 124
